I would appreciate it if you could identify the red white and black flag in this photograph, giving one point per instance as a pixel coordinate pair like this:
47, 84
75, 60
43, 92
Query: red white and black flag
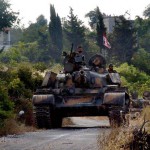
105, 41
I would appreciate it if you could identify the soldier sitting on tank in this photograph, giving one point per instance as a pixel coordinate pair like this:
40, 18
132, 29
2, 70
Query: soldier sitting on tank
79, 58
111, 70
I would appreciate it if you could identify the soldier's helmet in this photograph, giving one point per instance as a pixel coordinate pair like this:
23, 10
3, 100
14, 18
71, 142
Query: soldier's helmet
110, 65
79, 49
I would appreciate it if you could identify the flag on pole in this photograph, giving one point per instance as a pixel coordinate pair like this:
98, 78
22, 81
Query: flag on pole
105, 41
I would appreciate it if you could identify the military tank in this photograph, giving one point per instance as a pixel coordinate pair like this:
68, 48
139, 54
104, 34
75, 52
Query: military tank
79, 90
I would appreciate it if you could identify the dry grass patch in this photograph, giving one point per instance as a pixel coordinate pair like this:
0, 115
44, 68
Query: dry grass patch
146, 114
11, 126
136, 136
67, 122
118, 139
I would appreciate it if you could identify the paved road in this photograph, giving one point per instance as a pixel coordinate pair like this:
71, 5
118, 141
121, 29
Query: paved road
83, 135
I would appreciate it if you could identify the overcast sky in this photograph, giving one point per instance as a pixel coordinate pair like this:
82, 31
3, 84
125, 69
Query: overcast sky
31, 9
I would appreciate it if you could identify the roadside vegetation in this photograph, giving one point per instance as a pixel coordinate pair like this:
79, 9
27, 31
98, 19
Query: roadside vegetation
135, 137
38, 48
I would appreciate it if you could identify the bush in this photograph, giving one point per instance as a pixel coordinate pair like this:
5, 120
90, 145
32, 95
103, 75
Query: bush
133, 78
6, 106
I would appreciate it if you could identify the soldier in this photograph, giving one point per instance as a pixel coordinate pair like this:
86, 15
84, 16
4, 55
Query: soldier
111, 70
79, 58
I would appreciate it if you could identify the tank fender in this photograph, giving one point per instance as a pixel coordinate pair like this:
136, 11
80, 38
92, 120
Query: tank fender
43, 99
115, 98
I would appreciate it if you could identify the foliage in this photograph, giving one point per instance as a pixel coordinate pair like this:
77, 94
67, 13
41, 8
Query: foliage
6, 106
142, 27
25, 75
146, 12
16, 34
14, 54
97, 23
7, 16
134, 79
33, 32
55, 31
36, 39
74, 29
25, 52
16, 88
141, 60
123, 40
144, 41
40, 66
92, 18
100, 28
56, 68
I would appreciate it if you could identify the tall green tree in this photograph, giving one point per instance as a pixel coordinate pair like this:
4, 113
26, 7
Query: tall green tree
100, 28
123, 40
74, 29
42, 32
7, 15
56, 36
142, 27
96, 22
38, 33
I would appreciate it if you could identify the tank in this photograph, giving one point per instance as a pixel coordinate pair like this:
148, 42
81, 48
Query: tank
79, 90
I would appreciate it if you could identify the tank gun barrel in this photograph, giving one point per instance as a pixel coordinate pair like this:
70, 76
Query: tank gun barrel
83, 78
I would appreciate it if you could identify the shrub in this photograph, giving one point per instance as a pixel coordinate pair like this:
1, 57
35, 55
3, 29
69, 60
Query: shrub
6, 106
133, 78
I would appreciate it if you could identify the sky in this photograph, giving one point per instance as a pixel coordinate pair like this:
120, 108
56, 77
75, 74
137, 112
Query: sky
31, 9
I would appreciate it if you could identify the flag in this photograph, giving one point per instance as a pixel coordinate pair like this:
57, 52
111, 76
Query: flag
105, 41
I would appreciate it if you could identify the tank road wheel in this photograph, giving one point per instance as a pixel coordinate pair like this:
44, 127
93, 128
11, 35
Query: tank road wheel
116, 119
45, 117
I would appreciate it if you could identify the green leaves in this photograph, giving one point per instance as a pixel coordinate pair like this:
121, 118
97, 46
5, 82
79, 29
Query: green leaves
6, 106
146, 12
7, 16
141, 59
74, 29
133, 78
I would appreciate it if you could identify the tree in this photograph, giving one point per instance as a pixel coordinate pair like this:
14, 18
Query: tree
56, 36
37, 31
142, 27
100, 28
146, 12
123, 40
6, 106
141, 60
74, 29
7, 16
97, 24
42, 32
93, 18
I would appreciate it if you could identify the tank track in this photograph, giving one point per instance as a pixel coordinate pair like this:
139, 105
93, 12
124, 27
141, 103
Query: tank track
42, 116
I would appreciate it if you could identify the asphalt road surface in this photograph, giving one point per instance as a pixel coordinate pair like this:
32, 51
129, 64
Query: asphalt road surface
83, 135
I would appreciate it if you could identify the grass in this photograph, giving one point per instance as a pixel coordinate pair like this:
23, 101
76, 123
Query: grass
66, 122
11, 126
116, 140
125, 138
